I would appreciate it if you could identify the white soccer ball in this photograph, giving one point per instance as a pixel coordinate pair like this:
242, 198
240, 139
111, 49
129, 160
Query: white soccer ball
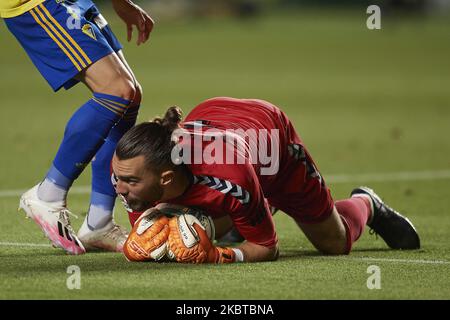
190, 216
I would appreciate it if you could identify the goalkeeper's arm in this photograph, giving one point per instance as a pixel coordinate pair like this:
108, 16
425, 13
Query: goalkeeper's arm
253, 252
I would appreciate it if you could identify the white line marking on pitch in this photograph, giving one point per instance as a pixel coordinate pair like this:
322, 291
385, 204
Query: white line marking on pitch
331, 178
17, 244
388, 177
368, 259
18, 192
405, 260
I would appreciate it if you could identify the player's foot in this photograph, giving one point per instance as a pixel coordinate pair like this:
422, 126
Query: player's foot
53, 218
109, 238
396, 230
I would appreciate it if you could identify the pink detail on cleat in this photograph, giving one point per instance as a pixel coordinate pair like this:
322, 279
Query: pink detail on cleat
53, 219
72, 247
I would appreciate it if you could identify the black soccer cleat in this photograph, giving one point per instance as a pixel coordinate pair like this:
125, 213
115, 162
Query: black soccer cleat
396, 230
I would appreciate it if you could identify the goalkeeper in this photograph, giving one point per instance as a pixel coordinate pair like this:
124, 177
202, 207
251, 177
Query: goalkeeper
169, 161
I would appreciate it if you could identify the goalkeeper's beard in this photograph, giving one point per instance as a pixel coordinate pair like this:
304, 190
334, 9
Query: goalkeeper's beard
136, 204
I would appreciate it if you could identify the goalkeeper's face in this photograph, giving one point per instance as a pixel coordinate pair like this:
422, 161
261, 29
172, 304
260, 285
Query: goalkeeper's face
140, 187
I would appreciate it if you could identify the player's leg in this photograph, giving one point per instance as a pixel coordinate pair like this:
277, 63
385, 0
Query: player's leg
108, 78
96, 229
87, 130
396, 230
333, 227
328, 236
113, 90
337, 233
99, 229
344, 226
61, 53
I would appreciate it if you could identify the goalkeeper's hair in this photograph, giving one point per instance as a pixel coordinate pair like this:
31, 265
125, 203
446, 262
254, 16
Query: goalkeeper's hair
153, 140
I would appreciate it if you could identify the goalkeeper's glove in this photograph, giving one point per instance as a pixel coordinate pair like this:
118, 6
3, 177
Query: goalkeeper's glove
189, 243
148, 238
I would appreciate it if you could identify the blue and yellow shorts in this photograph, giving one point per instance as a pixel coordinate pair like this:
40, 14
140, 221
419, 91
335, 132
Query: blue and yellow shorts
63, 37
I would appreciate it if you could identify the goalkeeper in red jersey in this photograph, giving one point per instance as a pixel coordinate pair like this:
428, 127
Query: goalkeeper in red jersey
237, 159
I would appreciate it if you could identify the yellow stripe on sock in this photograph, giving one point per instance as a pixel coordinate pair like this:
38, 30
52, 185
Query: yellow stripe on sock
66, 34
56, 40
44, 19
117, 103
107, 107
110, 106
106, 101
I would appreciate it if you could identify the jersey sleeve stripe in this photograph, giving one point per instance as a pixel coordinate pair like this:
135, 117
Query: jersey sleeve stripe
225, 187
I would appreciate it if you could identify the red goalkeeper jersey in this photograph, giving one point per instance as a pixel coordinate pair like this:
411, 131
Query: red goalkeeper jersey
251, 156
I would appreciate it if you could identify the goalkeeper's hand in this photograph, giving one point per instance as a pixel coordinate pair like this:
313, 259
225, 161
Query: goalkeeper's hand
148, 238
189, 243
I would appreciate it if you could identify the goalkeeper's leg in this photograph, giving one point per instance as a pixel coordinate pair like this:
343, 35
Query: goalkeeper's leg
337, 233
304, 195
344, 226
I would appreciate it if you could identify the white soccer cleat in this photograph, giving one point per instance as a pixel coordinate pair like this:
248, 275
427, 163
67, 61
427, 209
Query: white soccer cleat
109, 238
53, 218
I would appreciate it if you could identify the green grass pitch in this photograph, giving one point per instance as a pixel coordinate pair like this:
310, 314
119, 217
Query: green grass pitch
365, 102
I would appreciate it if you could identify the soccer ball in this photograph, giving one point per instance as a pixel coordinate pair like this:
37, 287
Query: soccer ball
152, 228
190, 214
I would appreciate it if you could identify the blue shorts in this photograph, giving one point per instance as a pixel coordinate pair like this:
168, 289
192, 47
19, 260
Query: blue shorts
63, 37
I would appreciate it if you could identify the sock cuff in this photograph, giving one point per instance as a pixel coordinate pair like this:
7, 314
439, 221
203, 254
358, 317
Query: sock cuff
371, 206
111, 98
57, 178
102, 200
116, 105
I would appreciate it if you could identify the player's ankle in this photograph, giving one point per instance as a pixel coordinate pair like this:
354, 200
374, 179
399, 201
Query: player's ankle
50, 192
